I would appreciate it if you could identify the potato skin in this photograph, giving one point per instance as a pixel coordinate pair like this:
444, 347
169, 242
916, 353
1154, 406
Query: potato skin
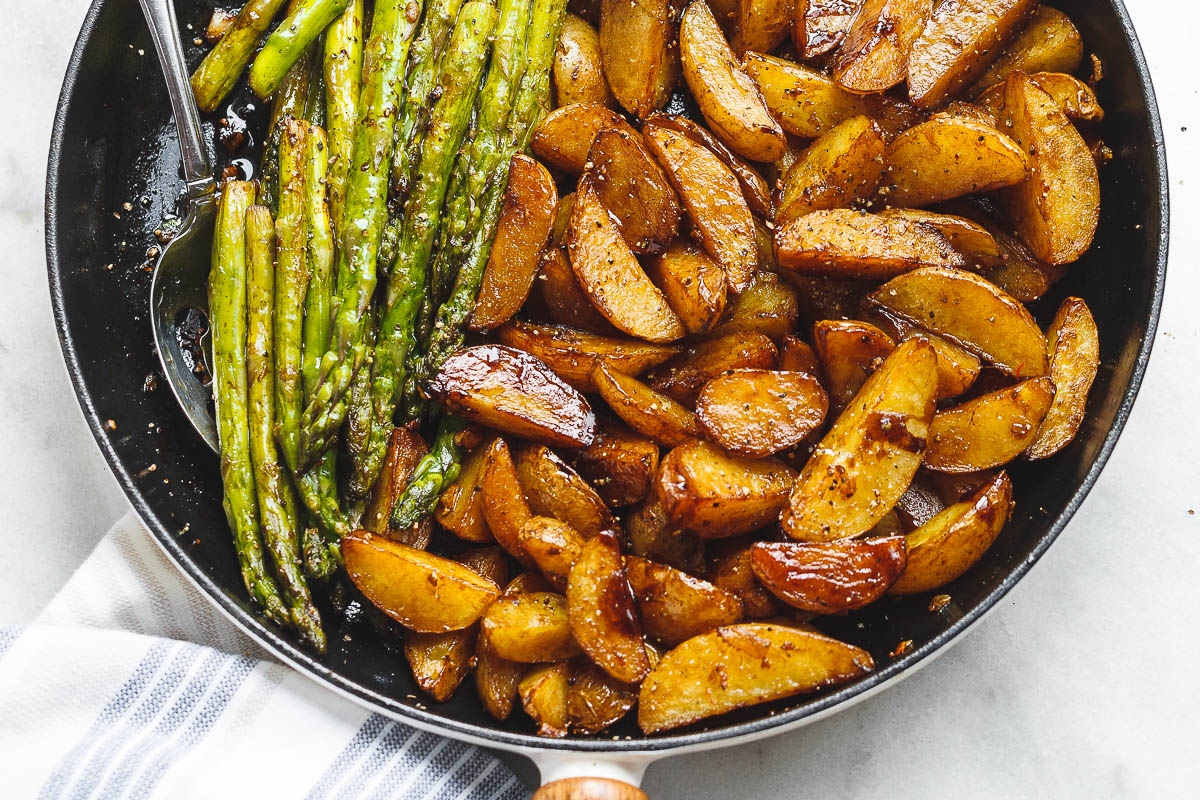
653, 536
874, 53
849, 352
556, 490
633, 187
1073, 344
842, 168
1049, 42
683, 377
543, 693
640, 52
825, 25
769, 306
759, 413
832, 577
505, 508
676, 606
564, 136
729, 567
578, 73
594, 699
646, 411
602, 612
554, 545
460, 508
529, 628
990, 430
405, 449
694, 285
619, 464
763, 25
564, 297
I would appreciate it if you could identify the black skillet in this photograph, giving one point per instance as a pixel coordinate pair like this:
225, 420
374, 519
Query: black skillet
114, 176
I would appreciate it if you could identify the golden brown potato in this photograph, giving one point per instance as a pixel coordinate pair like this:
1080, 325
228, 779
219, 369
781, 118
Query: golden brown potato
565, 300
594, 699
1056, 211
505, 508
521, 235
842, 168
1073, 345
1076, 99
1048, 43
728, 97
742, 665
633, 187
970, 311
822, 297
716, 494
653, 536
440, 661
496, 679
554, 545
823, 26
730, 568
620, 464
514, 392
832, 577
1019, 272
845, 243
543, 693
530, 582
972, 240
871, 453
957, 367
849, 352
578, 73
611, 276
683, 377
961, 39
406, 448
990, 430
758, 412
676, 606
460, 508
564, 136
421, 591
874, 54
949, 544
556, 490
646, 411
640, 52
797, 355
768, 306
713, 199
529, 628
948, 157
763, 25
601, 608
693, 284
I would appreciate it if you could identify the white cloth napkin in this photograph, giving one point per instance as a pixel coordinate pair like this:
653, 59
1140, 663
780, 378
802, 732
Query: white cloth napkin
130, 685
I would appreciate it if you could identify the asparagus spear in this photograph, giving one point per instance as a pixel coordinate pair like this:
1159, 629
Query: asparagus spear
318, 300
290, 102
314, 106
223, 65
279, 523
227, 314
433, 473
343, 76
283, 48
291, 283
357, 431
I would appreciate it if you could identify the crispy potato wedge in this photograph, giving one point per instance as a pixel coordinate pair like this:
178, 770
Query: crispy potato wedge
728, 97
763, 25
949, 544
960, 40
950, 157
595, 700
868, 458
990, 430
976, 244
564, 136
505, 508
611, 276
757, 412
440, 661
712, 197
460, 508
640, 52
797, 355
554, 545
824, 26
421, 591
1049, 42
715, 494
768, 306
543, 693
490, 562
874, 54
1073, 345
405, 450
730, 568
693, 284
556, 490
521, 234
578, 73
845, 243
529, 628
619, 464
565, 300
602, 611
683, 377
742, 665
1057, 210
970, 311
530, 582
849, 352
635, 190
831, 577
515, 392
676, 606
1076, 99
822, 297
653, 536
648, 412
957, 367
842, 168
496, 679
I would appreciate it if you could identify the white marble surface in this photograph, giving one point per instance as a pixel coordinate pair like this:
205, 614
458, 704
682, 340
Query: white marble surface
1084, 683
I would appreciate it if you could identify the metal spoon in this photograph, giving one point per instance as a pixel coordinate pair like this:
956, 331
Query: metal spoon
180, 279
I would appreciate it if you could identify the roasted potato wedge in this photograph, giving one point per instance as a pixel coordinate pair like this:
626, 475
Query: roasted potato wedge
496, 679
620, 464
957, 367
1049, 42
594, 699
742, 665
849, 352
565, 300
1076, 99
874, 54
797, 355
635, 190
564, 136
421, 591
842, 168
990, 430
852, 244
871, 453
730, 568
460, 508
653, 536
640, 52
676, 606
831, 577
693, 284
715, 494
763, 25
611, 276
648, 412
756, 413
1073, 345
529, 628
602, 611
505, 508
683, 377
768, 306
728, 98
713, 199
970, 311
1057, 210
578, 73
824, 26
976, 244
960, 40
556, 490
949, 544
405, 450
543, 693
554, 545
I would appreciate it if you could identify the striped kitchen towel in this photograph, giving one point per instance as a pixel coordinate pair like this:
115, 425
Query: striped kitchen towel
130, 685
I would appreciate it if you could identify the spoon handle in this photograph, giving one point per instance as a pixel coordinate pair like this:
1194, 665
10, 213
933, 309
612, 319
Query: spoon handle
164, 30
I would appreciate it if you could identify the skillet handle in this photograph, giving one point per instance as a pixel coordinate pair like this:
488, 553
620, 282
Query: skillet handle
589, 789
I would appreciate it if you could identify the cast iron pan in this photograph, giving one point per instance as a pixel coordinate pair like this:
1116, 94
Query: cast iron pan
114, 144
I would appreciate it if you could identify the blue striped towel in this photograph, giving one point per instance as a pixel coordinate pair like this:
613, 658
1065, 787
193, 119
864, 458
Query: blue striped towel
130, 685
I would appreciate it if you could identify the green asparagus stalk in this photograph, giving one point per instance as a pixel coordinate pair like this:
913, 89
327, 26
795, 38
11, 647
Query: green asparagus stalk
227, 315
289, 102
290, 40
220, 69
314, 107
358, 428
291, 283
279, 522
318, 299
433, 474
343, 77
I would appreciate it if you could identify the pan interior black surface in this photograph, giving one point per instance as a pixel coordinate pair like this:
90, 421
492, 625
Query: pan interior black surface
114, 178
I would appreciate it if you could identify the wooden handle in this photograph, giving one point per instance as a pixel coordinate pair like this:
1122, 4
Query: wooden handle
589, 789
